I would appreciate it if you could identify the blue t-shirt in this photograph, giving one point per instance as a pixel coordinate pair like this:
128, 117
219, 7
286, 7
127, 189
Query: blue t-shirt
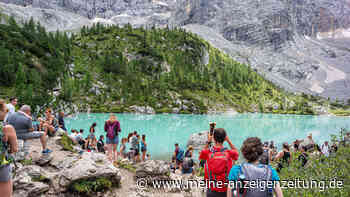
235, 170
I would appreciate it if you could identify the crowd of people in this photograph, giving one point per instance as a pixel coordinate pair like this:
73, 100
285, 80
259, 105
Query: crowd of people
132, 147
217, 161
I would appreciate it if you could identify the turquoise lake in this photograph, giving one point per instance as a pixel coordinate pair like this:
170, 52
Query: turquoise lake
163, 130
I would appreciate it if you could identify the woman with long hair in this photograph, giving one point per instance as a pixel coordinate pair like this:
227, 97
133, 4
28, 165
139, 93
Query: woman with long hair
8, 145
284, 156
112, 128
143, 147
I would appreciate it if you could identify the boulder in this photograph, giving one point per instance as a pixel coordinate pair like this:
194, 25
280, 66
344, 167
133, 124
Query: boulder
31, 181
89, 166
153, 170
142, 109
198, 140
176, 110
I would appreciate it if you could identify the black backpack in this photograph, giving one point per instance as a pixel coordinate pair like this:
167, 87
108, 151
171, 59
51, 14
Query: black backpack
187, 163
265, 157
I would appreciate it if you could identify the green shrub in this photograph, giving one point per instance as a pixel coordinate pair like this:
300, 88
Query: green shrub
89, 187
67, 143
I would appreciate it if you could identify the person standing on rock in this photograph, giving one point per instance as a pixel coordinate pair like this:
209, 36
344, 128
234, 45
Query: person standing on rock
8, 144
218, 163
179, 154
112, 127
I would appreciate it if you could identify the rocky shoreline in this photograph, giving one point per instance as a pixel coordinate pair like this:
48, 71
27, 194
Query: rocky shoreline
67, 173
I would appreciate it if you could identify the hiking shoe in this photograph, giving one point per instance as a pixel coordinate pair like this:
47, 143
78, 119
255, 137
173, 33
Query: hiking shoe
46, 151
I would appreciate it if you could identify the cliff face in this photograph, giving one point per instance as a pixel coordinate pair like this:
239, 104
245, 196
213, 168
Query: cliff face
297, 44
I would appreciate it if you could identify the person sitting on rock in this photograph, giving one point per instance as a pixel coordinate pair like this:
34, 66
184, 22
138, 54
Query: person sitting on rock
22, 122
303, 157
101, 145
8, 144
50, 123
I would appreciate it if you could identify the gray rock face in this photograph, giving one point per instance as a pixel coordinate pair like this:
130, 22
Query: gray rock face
300, 45
153, 170
142, 109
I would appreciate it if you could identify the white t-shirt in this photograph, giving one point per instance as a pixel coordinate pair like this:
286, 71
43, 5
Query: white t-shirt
325, 150
11, 108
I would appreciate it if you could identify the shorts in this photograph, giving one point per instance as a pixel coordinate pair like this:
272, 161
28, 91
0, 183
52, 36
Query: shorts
115, 140
188, 171
5, 173
30, 135
143, 149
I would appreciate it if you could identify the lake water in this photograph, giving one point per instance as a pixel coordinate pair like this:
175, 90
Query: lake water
163, 130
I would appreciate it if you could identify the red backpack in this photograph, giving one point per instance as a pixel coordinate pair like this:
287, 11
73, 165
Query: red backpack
218, 168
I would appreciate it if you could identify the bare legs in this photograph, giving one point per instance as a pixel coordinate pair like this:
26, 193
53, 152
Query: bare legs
11, 138
115, 153
143, 155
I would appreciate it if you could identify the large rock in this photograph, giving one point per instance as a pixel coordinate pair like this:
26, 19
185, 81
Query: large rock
89, 166
31, 181
153, 170
142, 109
198, 140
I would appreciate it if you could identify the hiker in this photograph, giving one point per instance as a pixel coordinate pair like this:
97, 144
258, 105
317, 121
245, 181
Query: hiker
303, 157
143, 147
12, 105
219, 161
81, 138
134, 146
296, 145
334, 148
325, 149
101, 145
188, 163
72, 135
273, 150
50, 123
61, 123
8, 145
309, 143
210, 134
22, 122
112, 127
123, 148
137, 154
91, 143
266, 155
178, 155
284, 156
252, 170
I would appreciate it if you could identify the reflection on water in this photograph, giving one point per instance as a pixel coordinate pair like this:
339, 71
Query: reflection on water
162, 131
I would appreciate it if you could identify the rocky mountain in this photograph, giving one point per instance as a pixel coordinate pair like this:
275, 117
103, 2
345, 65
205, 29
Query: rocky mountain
300, 45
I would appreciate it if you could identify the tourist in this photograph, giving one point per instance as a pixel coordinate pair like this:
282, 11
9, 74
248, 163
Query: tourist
273, 150
123, 148
178, 155
51, 123
325, 149
137, 154
81, 140
334, 148
134, 146
187, 163
101, 145
12, 105
112, 127
73, 135
61, 121
22, 122
266, 155
93, 128
308, 142
92, 140
284, 156
251, 170
143, 147
296, 145
210, 134
8, 145
189, 151
303, 157
347, 139
219, 161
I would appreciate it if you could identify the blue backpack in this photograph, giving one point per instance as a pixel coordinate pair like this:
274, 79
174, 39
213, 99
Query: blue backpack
180, 154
